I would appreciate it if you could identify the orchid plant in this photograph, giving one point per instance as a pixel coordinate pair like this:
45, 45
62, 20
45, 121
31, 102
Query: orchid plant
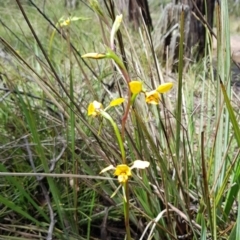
123, 171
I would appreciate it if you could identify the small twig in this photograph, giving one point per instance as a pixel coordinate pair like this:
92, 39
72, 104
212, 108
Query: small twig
30, 156
104, 224
4, 96
55, 160
26, 94
204, 21
55, 175
180, 213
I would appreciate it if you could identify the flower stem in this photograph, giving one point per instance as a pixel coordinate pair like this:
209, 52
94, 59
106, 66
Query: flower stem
124, 118
126, 211
117, 133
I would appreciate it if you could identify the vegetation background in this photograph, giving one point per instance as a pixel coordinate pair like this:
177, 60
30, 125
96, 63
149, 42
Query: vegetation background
51, 152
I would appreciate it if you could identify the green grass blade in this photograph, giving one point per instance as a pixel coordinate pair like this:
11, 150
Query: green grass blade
232, 194
18, 209
26, 108
179, 94
18, 187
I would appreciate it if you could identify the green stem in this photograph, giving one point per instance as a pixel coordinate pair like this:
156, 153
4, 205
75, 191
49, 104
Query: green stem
117, 133
111, 54
126, 211
50, 43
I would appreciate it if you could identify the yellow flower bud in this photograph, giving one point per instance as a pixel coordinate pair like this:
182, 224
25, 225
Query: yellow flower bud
94, 55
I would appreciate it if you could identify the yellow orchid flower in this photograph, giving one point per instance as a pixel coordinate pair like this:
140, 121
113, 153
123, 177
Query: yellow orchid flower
165, 87
65, 22
152, 97
135, 87
94, 108
123, 171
